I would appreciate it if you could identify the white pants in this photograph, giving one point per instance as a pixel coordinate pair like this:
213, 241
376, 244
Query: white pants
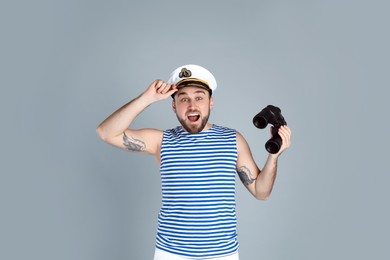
162, 255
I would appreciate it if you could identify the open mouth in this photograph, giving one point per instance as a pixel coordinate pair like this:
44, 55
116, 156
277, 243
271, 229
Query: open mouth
193, 117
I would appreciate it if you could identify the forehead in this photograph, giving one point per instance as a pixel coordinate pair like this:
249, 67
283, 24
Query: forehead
191, 91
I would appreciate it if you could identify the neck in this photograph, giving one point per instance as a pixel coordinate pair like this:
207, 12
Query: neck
205, 128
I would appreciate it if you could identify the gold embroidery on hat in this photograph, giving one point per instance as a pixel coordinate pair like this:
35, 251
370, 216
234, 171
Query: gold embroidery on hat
185, 73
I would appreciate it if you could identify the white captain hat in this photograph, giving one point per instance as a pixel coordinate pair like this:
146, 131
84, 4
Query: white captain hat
193, 75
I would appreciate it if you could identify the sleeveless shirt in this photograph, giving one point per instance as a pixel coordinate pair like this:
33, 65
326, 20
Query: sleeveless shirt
197, 218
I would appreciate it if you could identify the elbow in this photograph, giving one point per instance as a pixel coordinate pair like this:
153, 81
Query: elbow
262, 196
100, 133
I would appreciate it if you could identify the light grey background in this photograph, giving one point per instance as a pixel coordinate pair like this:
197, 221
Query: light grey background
66, 65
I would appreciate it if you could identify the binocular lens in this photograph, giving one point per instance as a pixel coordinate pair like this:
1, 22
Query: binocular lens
260, 122
272, 146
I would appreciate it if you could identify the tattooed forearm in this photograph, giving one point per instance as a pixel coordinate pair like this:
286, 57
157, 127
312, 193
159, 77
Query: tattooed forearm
134, 145
245, 175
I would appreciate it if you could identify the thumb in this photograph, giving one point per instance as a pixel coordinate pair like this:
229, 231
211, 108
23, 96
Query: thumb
172, 90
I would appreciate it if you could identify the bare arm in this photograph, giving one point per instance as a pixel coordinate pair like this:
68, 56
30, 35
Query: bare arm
115, 129
259, 182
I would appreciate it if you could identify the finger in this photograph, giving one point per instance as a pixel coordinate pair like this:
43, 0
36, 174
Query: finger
156, 85
286, 128
153, 85
162, 87
285, 137
167, 88
172, 90
282, 131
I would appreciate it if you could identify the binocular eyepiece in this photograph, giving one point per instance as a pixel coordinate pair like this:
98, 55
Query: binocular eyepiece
271, 115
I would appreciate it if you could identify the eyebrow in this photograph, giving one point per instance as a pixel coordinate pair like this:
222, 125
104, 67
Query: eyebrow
196, 92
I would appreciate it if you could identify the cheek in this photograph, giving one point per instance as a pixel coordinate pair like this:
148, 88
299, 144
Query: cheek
177, 106
179, 109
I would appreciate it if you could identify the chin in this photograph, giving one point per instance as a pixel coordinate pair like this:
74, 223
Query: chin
194, 128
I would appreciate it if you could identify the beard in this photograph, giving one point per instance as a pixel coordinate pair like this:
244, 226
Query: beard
194, 128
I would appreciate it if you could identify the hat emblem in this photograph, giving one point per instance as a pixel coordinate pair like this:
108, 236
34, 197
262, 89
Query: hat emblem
185, 73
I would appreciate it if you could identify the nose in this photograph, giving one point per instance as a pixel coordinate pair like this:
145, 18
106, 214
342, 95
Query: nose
191, 103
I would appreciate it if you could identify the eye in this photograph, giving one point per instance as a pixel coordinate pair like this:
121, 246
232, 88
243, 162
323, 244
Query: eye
184, 100
198, 98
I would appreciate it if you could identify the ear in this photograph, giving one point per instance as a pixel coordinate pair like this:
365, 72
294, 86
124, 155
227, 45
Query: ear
173, 105
211, 103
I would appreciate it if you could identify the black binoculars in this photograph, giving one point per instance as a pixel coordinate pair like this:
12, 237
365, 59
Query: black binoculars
271, 115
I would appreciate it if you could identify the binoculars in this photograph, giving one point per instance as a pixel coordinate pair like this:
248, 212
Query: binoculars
271, 115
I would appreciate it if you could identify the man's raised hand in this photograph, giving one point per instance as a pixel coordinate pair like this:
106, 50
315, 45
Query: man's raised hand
159, 90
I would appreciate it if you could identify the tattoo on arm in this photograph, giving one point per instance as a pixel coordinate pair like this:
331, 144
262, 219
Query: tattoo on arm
245, 175
134, 145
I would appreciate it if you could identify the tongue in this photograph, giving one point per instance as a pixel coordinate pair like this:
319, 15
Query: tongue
193, 118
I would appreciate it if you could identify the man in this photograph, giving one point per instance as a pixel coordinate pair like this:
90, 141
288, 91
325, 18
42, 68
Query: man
198, 162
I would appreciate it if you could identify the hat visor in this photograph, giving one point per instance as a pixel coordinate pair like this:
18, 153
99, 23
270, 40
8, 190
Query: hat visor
192, 82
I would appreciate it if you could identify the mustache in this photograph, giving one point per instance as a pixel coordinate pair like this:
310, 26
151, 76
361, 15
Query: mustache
192, 111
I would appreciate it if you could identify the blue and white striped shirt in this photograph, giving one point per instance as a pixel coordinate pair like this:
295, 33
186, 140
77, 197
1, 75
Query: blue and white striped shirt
198, 217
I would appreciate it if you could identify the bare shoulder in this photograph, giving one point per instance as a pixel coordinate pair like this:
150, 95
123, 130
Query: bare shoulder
241, 142
243, 150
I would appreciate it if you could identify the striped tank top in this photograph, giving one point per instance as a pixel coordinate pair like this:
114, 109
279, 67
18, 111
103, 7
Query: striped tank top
197, 218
